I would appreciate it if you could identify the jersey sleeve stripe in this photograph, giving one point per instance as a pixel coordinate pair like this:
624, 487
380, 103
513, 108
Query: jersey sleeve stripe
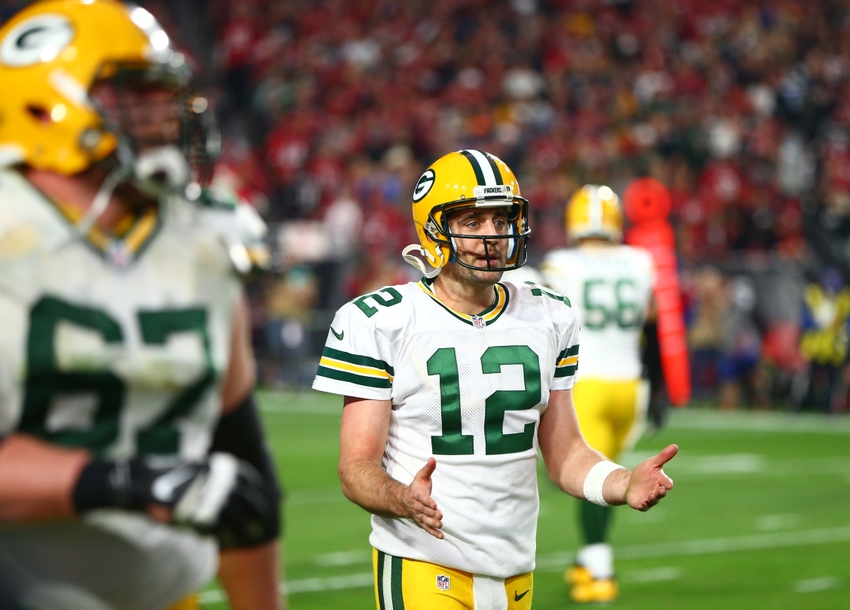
567, 363
364, 361
354, 369
570, 351
572, 360
566, 371
339, 375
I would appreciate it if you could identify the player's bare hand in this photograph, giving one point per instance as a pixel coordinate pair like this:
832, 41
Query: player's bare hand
421, 507
648, 483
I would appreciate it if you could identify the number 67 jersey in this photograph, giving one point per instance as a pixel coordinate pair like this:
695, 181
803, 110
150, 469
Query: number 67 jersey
469, 391
117, 347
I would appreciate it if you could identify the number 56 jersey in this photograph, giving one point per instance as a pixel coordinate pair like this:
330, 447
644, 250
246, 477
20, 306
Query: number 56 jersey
612, 285
469, 391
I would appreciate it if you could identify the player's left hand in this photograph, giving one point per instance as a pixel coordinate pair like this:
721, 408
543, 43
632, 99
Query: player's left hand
648, 483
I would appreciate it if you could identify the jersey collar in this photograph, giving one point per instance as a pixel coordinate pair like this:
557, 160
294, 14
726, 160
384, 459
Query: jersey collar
489, 315
120, 250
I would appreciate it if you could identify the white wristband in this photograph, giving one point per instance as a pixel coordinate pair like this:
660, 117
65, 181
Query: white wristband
596, 479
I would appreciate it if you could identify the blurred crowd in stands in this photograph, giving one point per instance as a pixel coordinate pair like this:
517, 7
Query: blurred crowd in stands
331, 109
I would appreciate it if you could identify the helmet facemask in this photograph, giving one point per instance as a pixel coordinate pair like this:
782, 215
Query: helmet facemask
516, 237
166, 139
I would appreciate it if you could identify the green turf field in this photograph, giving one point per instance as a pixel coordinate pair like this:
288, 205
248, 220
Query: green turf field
759, 518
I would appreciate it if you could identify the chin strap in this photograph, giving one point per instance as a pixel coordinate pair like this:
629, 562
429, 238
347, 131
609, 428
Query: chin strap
101, 199
155, 172
419, 263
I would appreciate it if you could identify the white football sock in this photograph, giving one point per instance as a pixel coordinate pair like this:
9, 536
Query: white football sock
598, 559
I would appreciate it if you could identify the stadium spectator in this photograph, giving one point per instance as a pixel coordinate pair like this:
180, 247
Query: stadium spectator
705, 332
290, 300
739, 370
824, 341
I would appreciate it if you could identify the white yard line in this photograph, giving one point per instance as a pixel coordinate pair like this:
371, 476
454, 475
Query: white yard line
813, 585
557, 561
651, 575
757, 421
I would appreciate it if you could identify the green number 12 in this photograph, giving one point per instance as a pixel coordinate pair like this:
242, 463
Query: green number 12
452, 441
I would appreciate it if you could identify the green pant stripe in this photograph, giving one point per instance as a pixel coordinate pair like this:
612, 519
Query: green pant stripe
395, 578
380, 578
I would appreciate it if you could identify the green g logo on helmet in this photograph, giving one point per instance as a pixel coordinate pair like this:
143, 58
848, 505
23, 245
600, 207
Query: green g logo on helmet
424, 185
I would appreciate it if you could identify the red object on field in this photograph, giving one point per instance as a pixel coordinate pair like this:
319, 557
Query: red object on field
647, 205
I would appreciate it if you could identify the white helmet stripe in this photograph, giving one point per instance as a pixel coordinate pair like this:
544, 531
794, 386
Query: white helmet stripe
481, 165
594, 211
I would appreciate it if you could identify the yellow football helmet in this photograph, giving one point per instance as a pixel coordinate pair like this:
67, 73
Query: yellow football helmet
466, 179
594, 211
52, 54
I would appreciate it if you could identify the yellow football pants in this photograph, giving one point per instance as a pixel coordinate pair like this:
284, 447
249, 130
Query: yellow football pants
190, 602
407, 584
611, 414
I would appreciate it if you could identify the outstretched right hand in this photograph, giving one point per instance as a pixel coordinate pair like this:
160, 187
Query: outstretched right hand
421, 507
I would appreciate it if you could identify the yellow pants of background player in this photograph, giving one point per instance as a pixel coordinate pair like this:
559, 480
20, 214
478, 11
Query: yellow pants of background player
407, 584
611, 414
189, 603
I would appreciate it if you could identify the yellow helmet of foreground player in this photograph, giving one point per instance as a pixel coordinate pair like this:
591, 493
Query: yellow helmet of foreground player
594, 211
466, 179
51, 55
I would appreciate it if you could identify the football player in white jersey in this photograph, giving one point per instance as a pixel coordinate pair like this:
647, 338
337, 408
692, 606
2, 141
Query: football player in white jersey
450, 385
611, 284
132, 463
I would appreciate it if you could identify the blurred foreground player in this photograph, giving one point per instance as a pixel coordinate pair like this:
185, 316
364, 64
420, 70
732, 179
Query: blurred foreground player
132, 462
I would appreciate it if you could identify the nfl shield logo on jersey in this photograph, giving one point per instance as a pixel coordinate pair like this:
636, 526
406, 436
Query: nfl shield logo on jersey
478, 322
443, 582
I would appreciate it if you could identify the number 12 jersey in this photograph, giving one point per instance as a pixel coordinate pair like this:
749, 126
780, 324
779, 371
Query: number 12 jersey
469, 391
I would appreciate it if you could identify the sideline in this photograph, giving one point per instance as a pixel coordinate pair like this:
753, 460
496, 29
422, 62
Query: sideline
696, 418
689, 418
